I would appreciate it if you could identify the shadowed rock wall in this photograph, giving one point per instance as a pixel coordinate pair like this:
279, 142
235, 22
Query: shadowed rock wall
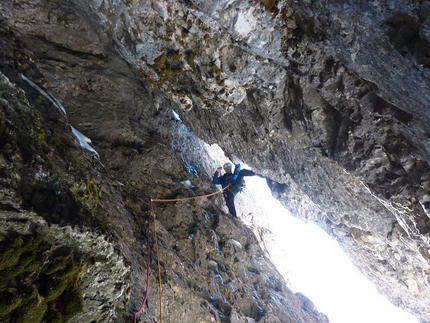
78, 236
328, 100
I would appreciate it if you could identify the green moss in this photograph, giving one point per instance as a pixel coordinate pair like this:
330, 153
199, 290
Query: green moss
61, 149
167, 74
33, 310
176, 56
190, 59
91, 190
160, 63
41, 138
55, 316
70, 303
86, 194
22, 266
39, 132
42, 280
10, 253
56, 289
168, 67
7, 305
201, 97
62, 290
18, 256
215, 69
48, 144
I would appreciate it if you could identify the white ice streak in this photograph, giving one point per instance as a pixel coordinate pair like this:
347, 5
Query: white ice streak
83, 140
175, 116
51, 98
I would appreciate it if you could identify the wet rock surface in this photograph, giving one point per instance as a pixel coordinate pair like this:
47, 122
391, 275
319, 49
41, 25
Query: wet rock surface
327, 100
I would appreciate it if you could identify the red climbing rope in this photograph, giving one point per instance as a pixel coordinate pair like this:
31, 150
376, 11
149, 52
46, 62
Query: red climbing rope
190, 198
148, 250
156, 244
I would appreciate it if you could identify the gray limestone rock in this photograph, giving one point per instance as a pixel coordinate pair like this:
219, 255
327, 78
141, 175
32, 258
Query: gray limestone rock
327, 100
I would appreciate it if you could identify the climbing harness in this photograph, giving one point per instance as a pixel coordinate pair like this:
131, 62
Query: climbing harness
137, 314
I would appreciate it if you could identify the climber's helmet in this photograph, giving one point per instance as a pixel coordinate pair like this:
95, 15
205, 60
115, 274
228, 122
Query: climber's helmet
227, 165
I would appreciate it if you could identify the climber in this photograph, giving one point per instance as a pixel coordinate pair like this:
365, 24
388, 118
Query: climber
232, 183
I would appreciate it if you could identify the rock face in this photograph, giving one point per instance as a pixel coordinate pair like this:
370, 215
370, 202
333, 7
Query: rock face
328, 100
78, 237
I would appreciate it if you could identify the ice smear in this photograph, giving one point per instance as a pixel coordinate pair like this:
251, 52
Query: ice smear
83, 140
50, 97
175, 115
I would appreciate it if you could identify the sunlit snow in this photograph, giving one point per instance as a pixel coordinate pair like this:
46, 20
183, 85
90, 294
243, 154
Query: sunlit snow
316, 266
310, 260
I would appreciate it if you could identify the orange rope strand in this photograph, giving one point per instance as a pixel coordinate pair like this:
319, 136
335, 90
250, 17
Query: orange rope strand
190, 198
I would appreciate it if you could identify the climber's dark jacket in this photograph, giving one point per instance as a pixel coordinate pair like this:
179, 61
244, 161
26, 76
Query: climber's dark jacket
227, 178
236, 182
